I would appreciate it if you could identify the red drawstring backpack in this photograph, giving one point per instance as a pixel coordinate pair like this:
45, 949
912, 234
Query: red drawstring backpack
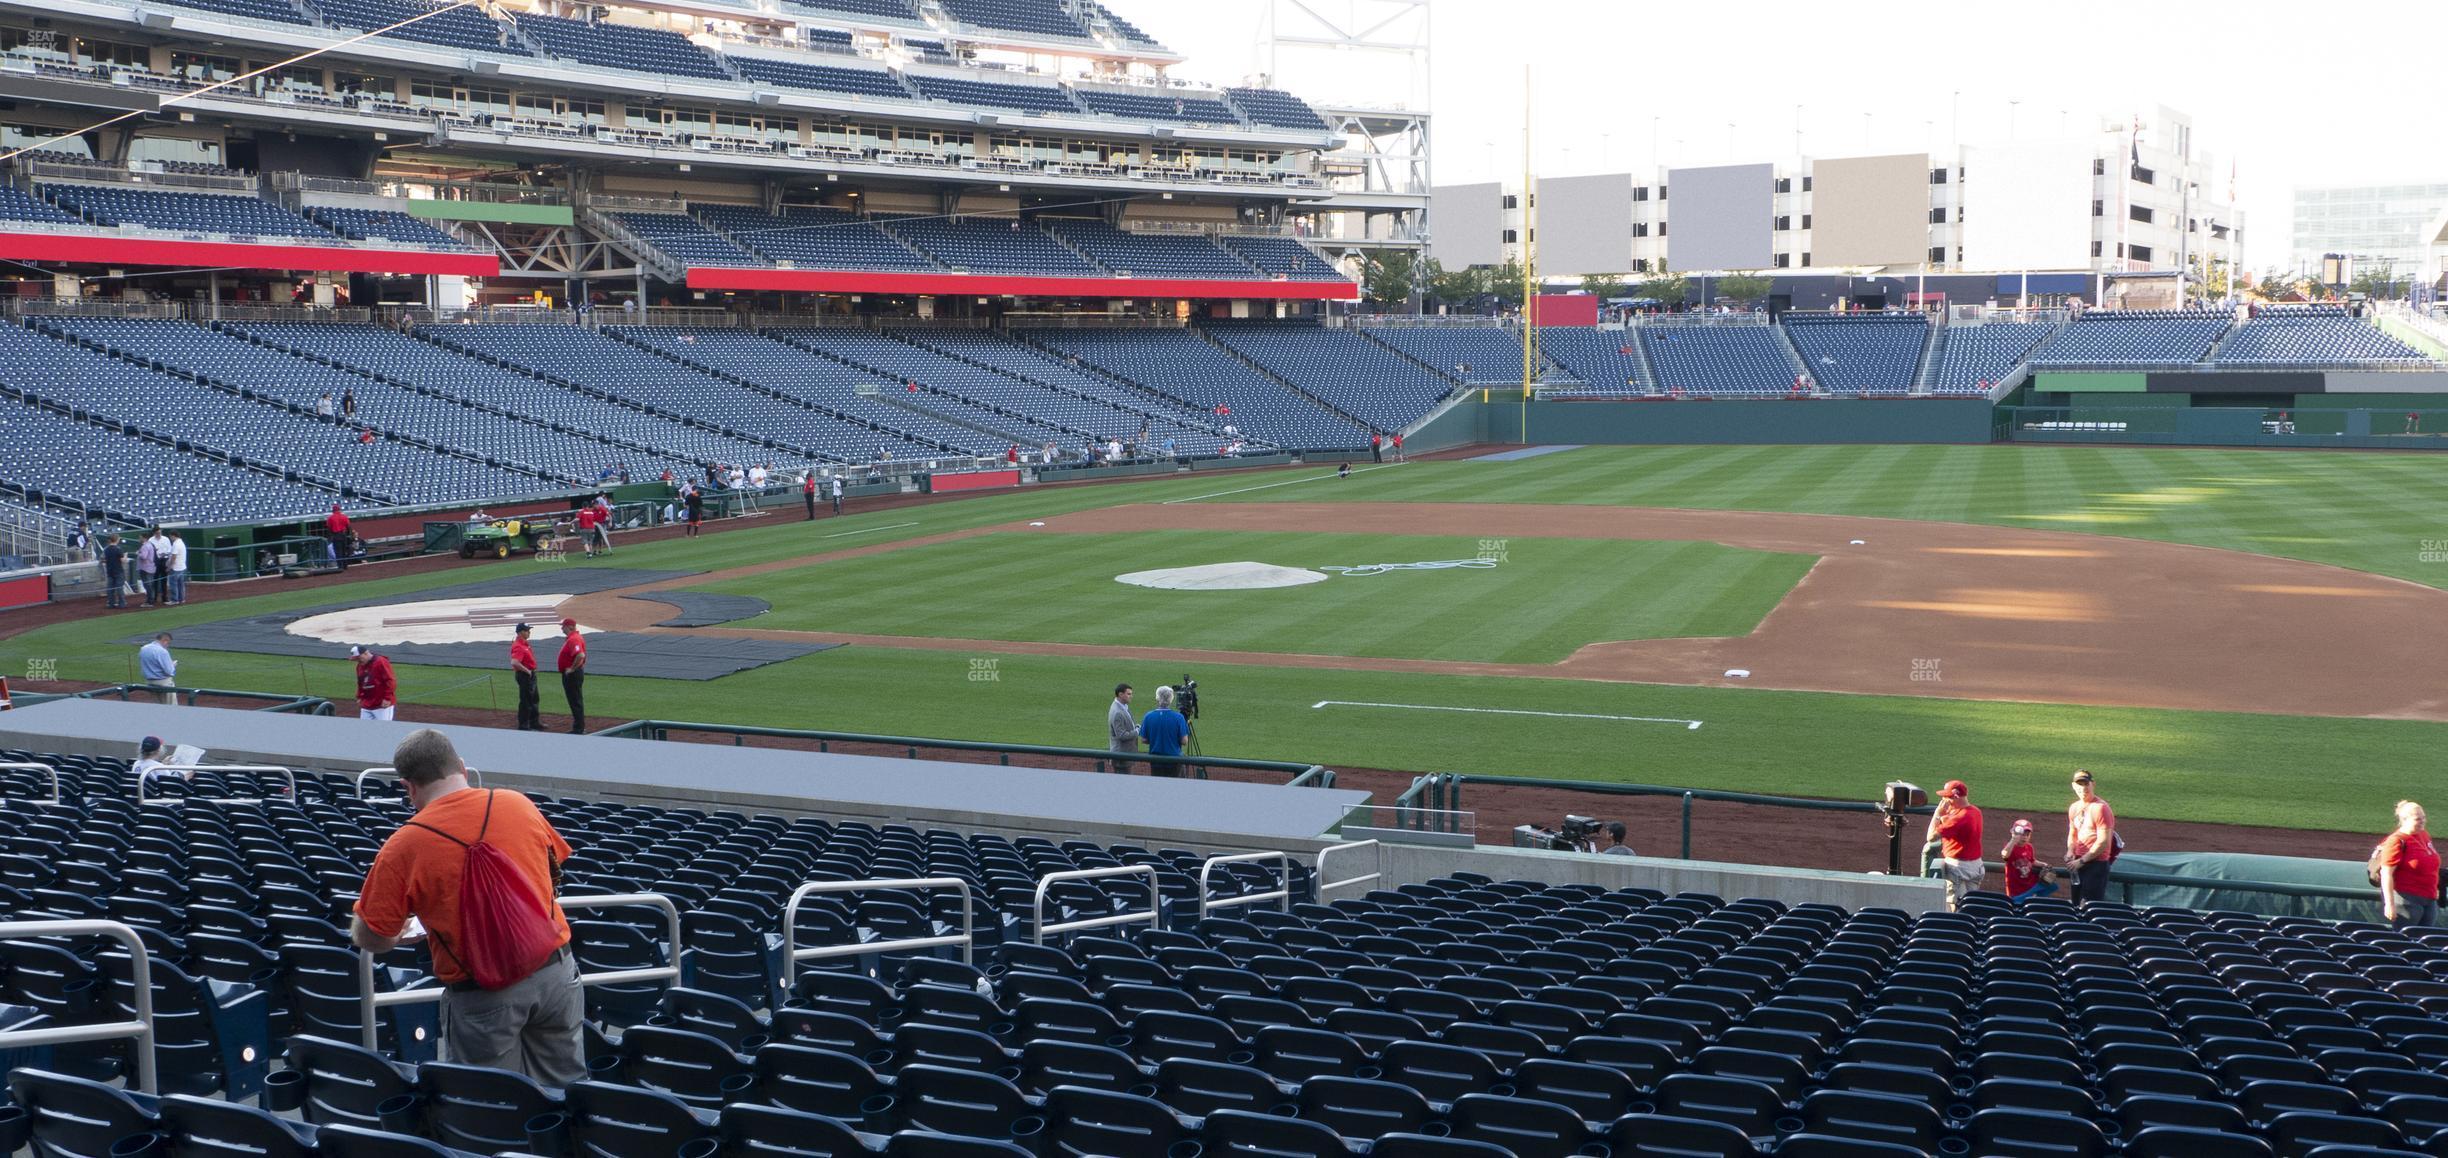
505, 930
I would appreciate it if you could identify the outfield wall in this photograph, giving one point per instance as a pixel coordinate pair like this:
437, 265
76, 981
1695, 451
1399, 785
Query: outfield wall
1500, 419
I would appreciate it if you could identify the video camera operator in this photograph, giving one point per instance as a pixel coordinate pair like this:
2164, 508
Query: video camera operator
1164, 729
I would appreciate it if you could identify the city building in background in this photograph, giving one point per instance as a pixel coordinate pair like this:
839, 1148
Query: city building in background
2375, 226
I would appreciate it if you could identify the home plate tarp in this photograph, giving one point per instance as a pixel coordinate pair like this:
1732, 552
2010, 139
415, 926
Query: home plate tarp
469, 625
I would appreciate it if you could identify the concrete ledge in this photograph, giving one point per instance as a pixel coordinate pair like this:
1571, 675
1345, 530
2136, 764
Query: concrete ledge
1404, 864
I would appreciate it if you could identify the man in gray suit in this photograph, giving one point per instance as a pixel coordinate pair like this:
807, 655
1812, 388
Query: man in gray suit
1122, 734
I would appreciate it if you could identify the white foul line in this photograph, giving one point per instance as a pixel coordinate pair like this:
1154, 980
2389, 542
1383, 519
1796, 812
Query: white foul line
1688, 725
866, 531
1272, 485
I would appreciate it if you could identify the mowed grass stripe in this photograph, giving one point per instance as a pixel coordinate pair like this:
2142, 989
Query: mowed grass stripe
1544, 600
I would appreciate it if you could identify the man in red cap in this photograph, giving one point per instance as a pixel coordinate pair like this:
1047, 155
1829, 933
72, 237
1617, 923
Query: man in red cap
573, 674
377, 691
1956, 829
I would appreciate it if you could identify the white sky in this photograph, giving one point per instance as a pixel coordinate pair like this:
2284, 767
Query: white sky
2295, 93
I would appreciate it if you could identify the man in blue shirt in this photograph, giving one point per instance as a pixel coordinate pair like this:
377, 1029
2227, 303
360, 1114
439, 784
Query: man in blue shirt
114, 573
159, 667
1164, 729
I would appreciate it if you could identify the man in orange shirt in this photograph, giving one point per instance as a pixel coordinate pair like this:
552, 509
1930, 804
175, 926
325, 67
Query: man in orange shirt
531, 1025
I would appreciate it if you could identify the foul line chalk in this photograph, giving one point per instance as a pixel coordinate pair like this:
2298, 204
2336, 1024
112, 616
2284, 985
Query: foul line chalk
866, 531
1688, 725
1273, 485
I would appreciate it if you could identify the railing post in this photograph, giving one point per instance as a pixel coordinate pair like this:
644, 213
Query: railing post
1319, 869
46, 768
1154, 917
966, 939
140, 975
1283, 887
371, 1003
1687, 807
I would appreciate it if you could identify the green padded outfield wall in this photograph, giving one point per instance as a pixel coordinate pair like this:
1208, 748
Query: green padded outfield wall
1921, 420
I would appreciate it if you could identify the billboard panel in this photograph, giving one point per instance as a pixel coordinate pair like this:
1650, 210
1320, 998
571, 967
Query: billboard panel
1468, 224
1585, 224
1719, 217
2027, 205
1870, 210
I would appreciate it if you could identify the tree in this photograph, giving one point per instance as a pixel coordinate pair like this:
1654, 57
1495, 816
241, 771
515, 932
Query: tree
2380, 284
1505, 283
1454, 287
1670, 291
1742, 287
1603, 286
1389, 276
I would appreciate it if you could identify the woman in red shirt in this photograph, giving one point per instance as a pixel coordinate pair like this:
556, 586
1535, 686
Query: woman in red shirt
2409, 870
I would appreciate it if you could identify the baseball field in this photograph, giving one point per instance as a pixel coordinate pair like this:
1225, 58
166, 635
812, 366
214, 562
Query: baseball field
2237, 637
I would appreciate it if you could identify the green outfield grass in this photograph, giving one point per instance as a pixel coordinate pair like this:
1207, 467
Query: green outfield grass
2363, 510
1546, 599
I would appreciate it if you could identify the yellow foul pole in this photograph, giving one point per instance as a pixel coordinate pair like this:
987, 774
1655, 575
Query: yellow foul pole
1529, 263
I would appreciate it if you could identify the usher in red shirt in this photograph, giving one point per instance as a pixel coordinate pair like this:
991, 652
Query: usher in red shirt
572, 646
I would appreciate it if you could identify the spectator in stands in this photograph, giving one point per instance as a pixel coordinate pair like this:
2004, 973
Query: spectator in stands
2409, 870
1122, 735
175, 576
152, 755
1011, 457
2092, 842
1168, 447
573, 674
1615, 840
757, 477
377, 691
324, 407
624, 474
531, 1026
523, 670
607, 474
2026, 877
348, 404
114, 574
1956, 829
80, 542
1164, 730
837, 494
159, 668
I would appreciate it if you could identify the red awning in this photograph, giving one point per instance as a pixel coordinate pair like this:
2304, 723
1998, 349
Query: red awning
1000, 285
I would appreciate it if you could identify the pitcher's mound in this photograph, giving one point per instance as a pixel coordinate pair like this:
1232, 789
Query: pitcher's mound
1242, 576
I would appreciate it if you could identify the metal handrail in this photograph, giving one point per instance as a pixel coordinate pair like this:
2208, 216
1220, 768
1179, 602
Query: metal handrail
966, 939
55, 779
1282, 891
475, 778
1323, 885
142, 781
1039, 928
140, 964
370, 1002
308, 705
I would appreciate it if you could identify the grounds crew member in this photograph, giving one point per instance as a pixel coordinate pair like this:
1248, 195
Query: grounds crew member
523, 669
377, 692
573, 674
528, 1020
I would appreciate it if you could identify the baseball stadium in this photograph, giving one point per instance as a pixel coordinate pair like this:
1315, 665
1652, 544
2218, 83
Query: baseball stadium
993, 598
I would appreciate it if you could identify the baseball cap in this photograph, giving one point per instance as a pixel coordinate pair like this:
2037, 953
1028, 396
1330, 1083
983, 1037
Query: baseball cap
356, 649
1956, 788
566, 624
522, 629
2082, 776
148, 746
2022, 826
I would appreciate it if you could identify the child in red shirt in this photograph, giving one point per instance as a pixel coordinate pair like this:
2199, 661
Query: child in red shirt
2026, 877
